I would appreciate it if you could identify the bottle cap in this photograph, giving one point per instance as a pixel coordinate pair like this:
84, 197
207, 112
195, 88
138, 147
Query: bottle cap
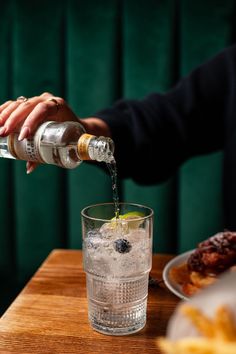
83, 144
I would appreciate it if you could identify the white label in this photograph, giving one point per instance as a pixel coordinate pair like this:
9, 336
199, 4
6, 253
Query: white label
26, 150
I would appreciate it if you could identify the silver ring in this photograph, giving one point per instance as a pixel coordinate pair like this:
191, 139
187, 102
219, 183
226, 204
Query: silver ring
22, 98
58, 106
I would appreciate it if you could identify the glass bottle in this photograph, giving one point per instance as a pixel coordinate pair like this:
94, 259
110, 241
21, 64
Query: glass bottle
63, 144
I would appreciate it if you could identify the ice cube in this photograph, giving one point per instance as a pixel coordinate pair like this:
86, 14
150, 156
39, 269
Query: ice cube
93, 233
114, 229
92, 243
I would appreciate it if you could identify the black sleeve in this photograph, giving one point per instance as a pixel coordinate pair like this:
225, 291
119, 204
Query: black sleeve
153, 136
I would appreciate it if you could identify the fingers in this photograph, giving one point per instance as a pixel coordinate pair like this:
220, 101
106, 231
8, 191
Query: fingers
40, 113
6, 109
4, 105
31, 166
28, 114
12, 112
13, 118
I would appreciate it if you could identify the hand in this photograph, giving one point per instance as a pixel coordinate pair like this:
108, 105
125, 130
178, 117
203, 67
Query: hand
25, 115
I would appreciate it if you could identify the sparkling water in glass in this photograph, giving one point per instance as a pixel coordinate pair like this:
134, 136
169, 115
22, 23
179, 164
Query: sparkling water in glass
117, 257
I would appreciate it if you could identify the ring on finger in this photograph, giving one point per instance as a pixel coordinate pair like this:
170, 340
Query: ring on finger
58, 106
22, 98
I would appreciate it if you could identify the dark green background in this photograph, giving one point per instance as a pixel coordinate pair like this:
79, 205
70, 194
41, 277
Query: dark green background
92, 52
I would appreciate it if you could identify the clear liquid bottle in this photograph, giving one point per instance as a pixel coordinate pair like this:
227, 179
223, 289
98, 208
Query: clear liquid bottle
63, 144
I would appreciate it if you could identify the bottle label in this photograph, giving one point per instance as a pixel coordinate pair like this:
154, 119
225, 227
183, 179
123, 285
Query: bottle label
25, 149
83, 145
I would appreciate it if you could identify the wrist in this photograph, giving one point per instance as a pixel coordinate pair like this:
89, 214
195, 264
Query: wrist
96, 126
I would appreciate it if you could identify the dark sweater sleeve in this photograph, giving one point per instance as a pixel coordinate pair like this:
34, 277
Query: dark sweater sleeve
153, 136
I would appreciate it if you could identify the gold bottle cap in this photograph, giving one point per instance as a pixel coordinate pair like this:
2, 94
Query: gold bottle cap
83, 144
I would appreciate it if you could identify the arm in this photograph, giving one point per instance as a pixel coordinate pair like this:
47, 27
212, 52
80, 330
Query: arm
155, 135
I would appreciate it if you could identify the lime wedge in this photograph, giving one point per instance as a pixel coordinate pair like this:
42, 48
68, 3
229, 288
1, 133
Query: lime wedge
131, 216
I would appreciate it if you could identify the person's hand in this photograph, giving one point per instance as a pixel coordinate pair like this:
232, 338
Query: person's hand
24, 115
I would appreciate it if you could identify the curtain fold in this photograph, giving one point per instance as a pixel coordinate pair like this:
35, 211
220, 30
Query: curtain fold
149, 65
40, 199
93, 53
204, 31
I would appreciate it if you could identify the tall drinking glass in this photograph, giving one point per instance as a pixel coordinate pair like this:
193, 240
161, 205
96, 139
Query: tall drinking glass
117, 258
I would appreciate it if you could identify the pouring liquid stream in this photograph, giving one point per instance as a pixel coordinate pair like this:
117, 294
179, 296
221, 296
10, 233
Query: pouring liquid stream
113, 172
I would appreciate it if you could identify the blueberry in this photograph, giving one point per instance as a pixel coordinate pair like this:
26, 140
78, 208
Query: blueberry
122, 246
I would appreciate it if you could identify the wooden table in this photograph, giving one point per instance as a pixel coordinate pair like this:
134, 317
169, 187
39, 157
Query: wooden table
50, 314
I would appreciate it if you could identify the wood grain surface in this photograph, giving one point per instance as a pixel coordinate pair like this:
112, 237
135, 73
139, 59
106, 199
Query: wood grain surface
50, 314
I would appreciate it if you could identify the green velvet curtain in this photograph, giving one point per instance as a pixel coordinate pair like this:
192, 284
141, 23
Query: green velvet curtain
92, 53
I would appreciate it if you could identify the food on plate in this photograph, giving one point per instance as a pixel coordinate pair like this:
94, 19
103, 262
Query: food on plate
211, 257
214, 255
217, 334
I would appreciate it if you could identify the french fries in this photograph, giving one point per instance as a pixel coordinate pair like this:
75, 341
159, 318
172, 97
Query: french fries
196, 346
203, 324
218, 334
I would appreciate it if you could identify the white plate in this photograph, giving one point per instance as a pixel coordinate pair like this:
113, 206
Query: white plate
171, 285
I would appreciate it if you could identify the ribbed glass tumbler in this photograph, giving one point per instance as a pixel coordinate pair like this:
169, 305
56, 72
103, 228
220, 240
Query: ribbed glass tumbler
117, 258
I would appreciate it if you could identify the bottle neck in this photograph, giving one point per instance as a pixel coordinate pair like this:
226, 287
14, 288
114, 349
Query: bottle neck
91, 147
